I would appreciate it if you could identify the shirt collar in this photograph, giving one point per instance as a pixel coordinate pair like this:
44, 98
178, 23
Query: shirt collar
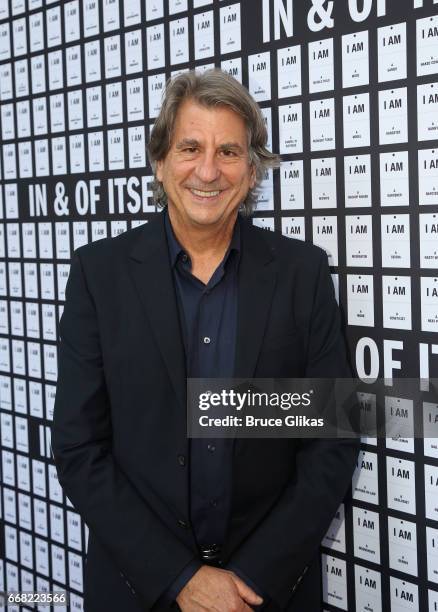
175, 248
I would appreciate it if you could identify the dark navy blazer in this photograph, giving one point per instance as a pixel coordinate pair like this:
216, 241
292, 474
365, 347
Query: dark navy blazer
119, 427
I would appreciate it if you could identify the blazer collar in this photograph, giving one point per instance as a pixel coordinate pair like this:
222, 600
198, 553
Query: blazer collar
152, 275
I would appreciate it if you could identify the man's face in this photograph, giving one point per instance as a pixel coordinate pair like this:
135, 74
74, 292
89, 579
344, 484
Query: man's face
206, 172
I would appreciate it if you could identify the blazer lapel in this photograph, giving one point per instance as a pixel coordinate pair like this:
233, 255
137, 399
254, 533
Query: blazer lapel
257, 278
152, 276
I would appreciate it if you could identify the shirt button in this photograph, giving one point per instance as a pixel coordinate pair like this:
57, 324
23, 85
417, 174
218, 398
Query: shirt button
207, 340
183, 524
181, 460
213, 503
211, 448
185, 258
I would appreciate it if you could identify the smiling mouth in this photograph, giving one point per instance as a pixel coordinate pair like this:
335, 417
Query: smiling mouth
205, 194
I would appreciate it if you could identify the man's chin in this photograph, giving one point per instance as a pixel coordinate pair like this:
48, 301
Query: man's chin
207, 215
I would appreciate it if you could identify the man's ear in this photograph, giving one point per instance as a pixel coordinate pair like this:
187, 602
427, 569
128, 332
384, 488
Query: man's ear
252, 180
159, 170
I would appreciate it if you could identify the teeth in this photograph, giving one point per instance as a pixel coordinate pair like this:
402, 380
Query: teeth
205, 194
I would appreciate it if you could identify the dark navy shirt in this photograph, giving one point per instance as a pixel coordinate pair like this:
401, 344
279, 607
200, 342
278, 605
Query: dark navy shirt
208, 316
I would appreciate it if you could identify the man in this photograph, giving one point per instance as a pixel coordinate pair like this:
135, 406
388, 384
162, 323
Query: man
197, 292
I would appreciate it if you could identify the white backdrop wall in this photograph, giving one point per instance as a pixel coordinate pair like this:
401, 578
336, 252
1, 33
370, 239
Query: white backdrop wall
349, 90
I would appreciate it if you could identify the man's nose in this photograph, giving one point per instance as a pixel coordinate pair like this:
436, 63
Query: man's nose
207, 168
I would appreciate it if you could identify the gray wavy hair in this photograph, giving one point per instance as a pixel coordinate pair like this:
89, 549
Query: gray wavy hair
214, 87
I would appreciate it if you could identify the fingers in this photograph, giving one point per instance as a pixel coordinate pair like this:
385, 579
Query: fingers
239, 606
246, 593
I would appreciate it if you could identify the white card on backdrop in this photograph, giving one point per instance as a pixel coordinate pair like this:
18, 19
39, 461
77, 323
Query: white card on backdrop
396, 252
404, 595
132, 12
113, 66
360, 299
229, 17
322, 124
428, 176
400, 480
94, 106
203, 28
334, 583
155, 46
133, 52
323, 173
427, 48
59, 155
114, 103
293, 227
429, 304
179, 41
292, 185
111, 15
366, 534
368, 589
365, 478
95, 151
38, 74
357, 120
355, 59
259, 76
396, 292
427, 111
321, 65
91, 17
357, 173
393, 116
428, 240
392, 52
325, 235
394, 178
92, 61
359, 240
289, 71
290, 120
135, 100
137, 147
71, 21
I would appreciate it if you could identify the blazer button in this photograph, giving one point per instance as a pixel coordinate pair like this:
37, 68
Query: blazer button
183, 524
181, 460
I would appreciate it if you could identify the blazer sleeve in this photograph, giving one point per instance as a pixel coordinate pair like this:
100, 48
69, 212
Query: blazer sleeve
276, 555
101, 492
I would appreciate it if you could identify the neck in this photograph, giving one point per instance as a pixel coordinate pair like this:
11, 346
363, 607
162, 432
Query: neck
203, 242
205, 245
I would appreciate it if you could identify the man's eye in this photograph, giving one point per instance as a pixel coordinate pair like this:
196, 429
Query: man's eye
228, 152
190, 149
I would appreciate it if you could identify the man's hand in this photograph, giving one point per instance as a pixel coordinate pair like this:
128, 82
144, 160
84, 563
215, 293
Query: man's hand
212, 588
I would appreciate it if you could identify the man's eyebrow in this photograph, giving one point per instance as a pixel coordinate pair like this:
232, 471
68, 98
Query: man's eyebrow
187, 142
232, 145
192, 142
